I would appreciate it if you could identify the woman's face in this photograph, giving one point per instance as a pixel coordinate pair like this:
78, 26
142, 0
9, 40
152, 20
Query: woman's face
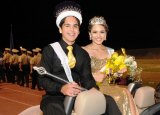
69, 30
98, 34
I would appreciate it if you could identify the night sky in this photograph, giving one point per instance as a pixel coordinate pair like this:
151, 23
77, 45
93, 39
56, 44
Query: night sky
132, 25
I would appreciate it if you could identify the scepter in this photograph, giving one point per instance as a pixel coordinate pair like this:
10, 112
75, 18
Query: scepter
42, 71
68, 101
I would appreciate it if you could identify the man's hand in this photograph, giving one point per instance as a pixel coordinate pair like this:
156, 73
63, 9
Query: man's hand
71, 89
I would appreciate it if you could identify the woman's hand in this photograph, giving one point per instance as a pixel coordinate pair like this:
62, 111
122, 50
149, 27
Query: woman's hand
99, 76
122, 70
71, 89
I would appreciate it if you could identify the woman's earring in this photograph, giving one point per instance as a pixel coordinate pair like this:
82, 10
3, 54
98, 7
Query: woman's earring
90, 38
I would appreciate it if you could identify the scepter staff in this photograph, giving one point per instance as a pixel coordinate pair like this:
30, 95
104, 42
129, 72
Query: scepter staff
42, 71
68, 101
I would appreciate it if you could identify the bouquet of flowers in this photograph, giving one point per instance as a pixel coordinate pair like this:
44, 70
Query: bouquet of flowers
121, 66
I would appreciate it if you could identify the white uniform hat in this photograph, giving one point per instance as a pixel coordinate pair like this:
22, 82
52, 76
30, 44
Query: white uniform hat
7, 49
39, 49
29, 52
23, 49
15, 51
34, 50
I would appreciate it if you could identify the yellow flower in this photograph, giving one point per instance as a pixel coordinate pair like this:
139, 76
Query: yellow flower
119, 65
122, 66
119, 60
114, 56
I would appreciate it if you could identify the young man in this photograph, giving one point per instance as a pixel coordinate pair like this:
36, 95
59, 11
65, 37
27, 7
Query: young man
68, 20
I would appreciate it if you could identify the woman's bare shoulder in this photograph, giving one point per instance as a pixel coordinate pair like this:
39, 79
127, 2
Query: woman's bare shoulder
87, 47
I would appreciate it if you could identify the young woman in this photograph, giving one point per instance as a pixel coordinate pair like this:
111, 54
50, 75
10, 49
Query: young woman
99, 54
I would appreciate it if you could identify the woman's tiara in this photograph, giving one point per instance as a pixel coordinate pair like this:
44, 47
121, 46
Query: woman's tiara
98, 20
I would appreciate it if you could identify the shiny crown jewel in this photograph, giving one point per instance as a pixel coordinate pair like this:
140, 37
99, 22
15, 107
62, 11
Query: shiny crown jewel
67, 8
98, 20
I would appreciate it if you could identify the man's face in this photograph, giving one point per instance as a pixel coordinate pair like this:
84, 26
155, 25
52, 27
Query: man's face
70, 30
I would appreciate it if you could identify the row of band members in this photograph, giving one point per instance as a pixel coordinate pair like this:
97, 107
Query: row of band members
17, 66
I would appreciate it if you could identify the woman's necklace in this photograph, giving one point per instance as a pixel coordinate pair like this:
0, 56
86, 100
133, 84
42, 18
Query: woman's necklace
100, 52
98, 48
